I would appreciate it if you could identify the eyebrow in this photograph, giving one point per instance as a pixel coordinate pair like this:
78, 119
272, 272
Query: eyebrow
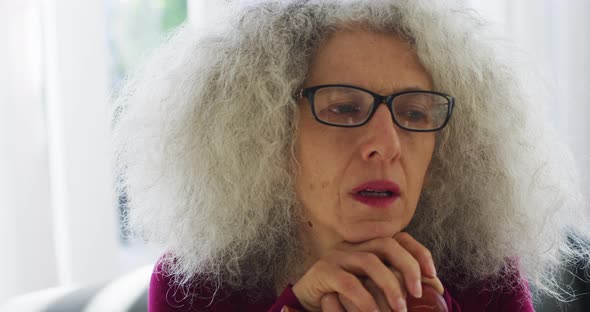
411, 88
406, 89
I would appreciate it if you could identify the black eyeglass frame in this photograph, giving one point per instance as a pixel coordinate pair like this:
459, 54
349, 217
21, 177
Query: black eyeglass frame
309, 93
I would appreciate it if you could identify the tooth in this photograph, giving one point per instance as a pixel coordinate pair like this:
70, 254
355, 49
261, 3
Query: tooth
373, 193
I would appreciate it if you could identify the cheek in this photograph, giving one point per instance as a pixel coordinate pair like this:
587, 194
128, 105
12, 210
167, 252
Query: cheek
311, 183
316, 152
315, 190
316, 178
321, 166
309, 178
417, 161
417, 151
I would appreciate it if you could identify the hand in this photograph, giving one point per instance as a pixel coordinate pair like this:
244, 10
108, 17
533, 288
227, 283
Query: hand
374, 290
342, 271
430, 301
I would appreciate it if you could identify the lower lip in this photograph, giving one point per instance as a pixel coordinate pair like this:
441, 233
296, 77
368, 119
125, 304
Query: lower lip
379, 202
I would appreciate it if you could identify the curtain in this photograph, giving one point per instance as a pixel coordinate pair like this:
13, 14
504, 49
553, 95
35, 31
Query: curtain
58, 220
25, 218
556, 36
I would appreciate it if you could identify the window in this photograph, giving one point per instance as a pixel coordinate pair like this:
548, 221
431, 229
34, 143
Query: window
134, 28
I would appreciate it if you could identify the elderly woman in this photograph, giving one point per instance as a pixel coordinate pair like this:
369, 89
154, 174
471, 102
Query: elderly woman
343, 156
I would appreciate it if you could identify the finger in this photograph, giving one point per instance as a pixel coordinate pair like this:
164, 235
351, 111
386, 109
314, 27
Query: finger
379, 296
349, 286
330, 303
389, 250
368, 264
434, 282
419, 252
328, 276
347, 304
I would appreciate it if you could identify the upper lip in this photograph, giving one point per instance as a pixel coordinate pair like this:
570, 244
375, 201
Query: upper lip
378, 185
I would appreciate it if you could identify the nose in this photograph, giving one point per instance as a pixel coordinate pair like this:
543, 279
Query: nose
382, 141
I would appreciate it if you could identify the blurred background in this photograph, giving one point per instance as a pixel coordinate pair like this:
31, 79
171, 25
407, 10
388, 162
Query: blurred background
59, 62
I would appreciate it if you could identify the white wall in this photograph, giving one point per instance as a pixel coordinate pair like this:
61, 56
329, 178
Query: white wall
204, 12
26, 232
555, 34
58, 221
86, 225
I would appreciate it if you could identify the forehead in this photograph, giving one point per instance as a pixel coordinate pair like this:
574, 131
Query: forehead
381, 62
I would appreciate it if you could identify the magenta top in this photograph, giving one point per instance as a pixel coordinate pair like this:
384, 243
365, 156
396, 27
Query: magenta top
163, 298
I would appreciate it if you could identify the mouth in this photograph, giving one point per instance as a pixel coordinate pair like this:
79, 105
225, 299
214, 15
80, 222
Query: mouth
378, 193
375, 193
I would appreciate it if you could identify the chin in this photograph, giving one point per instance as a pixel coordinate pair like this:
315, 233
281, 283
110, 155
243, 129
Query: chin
368, 230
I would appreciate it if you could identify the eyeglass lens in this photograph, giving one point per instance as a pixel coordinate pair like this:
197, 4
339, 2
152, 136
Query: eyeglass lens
349, 106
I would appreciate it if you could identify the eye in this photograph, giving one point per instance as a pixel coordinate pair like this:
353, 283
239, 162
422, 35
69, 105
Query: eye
414, 115
344, 109
344, 113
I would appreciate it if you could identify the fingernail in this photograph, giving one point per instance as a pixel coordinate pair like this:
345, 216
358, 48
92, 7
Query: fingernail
433, 269
401, 305
418, 289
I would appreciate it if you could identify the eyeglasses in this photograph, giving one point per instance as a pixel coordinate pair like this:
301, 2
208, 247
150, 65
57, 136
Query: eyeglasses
351, 106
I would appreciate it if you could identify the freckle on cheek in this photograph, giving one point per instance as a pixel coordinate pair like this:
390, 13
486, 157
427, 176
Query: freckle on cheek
325, 184
309, 223
311, 186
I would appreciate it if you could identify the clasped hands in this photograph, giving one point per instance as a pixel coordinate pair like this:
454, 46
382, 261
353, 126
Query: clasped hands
375, 275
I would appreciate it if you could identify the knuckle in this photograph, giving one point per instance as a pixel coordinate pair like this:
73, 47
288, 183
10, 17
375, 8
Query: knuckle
392, 243
329, 300
426, 254
413, 265
370, 259
348, 283
404, 236
409, 268
391, 247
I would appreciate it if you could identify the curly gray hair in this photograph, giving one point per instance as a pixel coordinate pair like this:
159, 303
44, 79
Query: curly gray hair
204, 134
